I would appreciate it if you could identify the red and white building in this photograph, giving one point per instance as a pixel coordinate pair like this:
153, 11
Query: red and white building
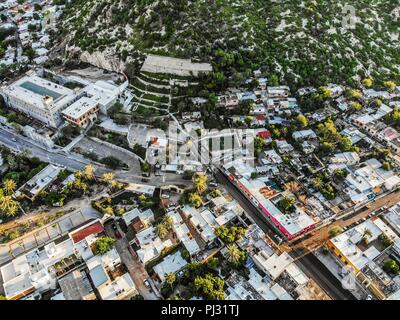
290, 225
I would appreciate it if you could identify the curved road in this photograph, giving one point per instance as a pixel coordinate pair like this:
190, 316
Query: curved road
74, 161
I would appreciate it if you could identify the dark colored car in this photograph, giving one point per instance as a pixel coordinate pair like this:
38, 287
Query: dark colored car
117, 234
114, 226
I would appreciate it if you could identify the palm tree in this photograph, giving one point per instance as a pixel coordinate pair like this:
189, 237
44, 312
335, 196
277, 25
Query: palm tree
293, 186
88, 172
78, 174
170, 279
161, 230
366, 235
108, 176
80, 185
9, 186
116, 185
8, 205
317, 183
168, 221
234, 253
200, 182
303, 198
109, 210
195, 200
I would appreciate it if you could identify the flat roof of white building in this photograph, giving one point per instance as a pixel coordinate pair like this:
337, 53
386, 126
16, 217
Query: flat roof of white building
41, 180
347, 242
170, 264
141, 188
80, 108
35, 90
274, 265
102, 92
120, 286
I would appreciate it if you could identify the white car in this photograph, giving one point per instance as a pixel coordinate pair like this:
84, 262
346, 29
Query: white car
147, 283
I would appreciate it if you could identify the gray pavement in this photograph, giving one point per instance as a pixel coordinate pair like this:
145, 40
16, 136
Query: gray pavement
74, 161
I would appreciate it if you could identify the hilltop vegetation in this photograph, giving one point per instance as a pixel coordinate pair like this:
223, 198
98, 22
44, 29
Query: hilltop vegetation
297, 42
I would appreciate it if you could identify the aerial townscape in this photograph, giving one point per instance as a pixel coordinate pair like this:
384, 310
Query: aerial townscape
199, 150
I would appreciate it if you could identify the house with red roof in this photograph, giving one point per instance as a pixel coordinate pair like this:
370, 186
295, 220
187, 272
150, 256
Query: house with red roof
264, 134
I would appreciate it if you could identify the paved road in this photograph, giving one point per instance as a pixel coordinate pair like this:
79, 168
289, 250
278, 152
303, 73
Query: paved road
308, 263
20, 143
316, 270
74, 161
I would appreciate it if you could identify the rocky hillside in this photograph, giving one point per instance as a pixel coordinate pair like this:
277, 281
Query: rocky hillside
299, 42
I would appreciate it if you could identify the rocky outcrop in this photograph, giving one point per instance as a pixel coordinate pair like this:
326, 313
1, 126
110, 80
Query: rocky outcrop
104, 60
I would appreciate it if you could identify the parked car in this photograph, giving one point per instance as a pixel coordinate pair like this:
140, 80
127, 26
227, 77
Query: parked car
146, 283
278, 238
369, 297
117, 234
114, 226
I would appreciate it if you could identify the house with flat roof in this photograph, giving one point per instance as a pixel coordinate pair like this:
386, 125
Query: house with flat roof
304, 135
76, 286
39, 182
119, 286
351, 248
170, 264
392, 217
104, 93
354, 134
203, 221
141, 188
347, 158
183, 234
81, 112
255, 288
369, 180
150, 245
146, 217
273, 265
278, 91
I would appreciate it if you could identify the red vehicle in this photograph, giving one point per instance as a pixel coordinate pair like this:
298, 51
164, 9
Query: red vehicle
117, 234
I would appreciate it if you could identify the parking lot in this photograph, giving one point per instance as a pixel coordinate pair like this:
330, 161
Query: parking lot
87, 145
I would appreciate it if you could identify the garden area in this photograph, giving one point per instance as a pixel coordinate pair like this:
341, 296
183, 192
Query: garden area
126, 201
